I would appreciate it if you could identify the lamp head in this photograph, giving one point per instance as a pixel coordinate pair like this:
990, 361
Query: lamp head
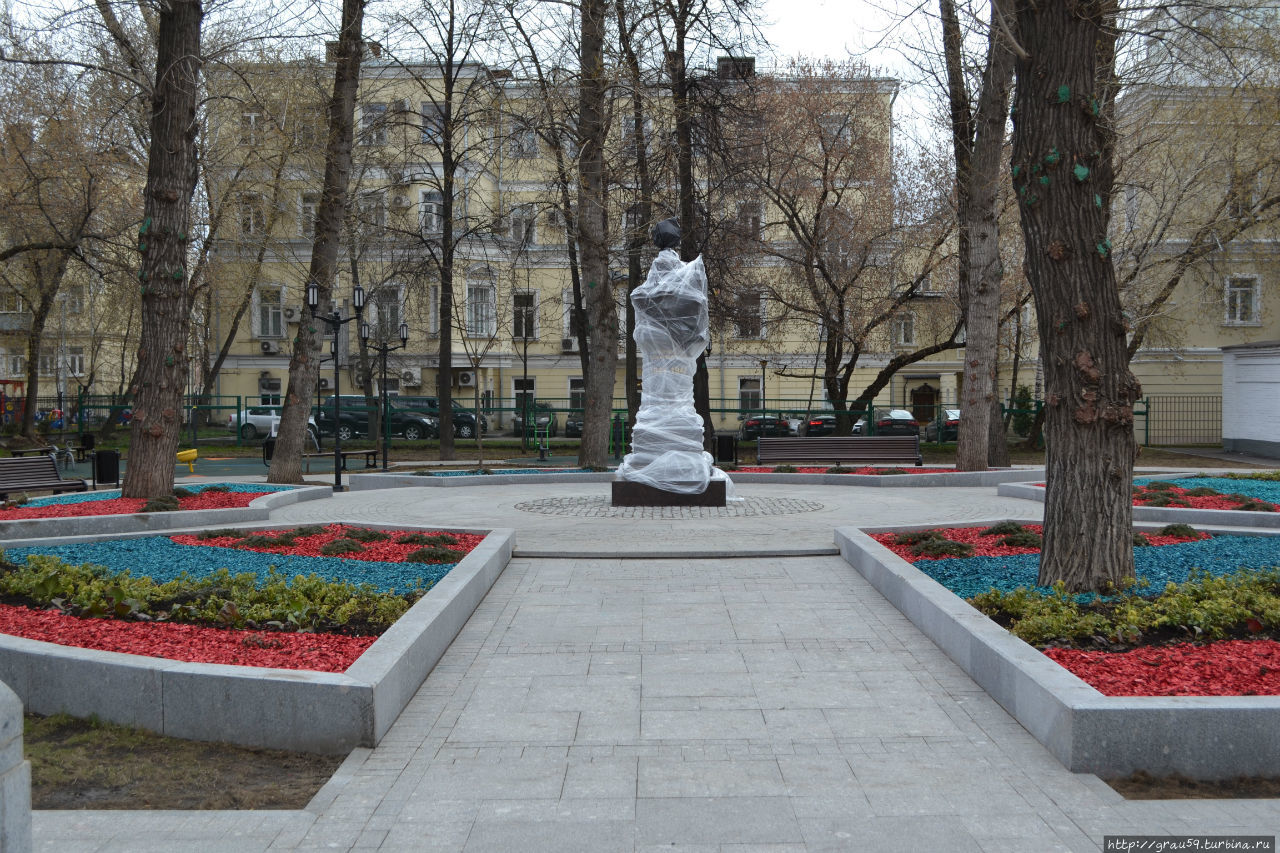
313, 296
364, 332
404, 334
357, 298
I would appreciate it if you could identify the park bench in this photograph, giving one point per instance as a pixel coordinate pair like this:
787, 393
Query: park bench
34, 451
35, 474
835, 449
370, 457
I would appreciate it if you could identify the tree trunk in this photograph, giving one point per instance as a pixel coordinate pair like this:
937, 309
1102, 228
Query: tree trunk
644, 211
162, 242
981, 298
1063, 175
602, 319
304, 364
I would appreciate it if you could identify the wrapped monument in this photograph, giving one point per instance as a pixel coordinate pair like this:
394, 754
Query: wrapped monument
671, 331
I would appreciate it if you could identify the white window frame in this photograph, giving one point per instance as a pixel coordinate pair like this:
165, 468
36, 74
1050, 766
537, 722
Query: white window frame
433, 310
373, 124
74, 361
741, 331
431, 212
253, 215
372, 210
521, 387
433, 122
11, 302
308, 209
252, 123
527, 314
386, 328
522, 225
524, 140
577, 392
749, 396
268, 315
481, 308
16, 363
1239, 284
904, 329
48, 362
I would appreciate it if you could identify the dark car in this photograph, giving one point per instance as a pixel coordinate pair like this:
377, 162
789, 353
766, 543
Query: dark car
544, 417
947, 425
573, 425
894, 422
818, 425
464, 421
410, 424
754, 426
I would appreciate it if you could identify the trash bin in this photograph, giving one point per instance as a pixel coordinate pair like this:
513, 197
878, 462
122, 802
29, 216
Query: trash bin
268, 450
106, 467
727, 448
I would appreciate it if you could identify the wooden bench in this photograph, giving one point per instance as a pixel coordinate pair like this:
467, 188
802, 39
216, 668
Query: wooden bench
834, 449
370, 457
34, 451
35, 474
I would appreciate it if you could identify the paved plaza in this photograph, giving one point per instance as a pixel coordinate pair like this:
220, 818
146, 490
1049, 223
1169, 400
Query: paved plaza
685, 681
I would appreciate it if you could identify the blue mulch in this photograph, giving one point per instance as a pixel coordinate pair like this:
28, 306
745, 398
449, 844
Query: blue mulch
1266, 490
1160, 565
110, 494
163, 560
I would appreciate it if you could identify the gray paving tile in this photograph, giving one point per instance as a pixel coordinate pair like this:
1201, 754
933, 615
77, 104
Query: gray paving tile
722, 820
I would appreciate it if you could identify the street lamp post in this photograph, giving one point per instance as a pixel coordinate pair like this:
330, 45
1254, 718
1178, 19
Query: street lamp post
335, 321
764, 362
382, 349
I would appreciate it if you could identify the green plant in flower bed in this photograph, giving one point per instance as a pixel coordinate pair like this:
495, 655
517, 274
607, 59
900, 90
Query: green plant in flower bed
1201, 492
890, 471
301, 603
1022, 539
365, 534
179, 492
1255, 505
784, 469
1140, 540
838, 469
163, 503
1185, 531
1004, 528
1160, 499
341, 546
940, 547
219, 534
431, 555
1255, 475
261, 540
1239, 605
1160, 486
911, 537
435, 539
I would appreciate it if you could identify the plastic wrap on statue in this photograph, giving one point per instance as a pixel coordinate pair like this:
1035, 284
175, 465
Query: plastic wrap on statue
671, 330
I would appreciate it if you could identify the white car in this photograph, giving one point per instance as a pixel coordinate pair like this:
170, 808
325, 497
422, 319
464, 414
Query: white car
260, 421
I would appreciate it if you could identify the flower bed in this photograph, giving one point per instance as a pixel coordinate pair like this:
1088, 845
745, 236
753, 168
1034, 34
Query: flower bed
826, 469
1189, 585
208, 496
471, 472
259, 599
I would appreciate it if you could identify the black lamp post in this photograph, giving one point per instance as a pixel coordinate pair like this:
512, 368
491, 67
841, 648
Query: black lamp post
335, 321
382, 349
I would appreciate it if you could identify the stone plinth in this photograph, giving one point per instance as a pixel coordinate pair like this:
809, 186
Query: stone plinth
640, 494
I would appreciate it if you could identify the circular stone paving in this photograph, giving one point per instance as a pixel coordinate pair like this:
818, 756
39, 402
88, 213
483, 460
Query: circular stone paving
600, 507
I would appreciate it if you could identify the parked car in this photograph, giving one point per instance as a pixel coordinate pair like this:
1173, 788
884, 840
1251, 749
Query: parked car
573, 425
891, 422
262, 421
754, 426
410, 424
543, 417
947, 425
819, 425
464, 420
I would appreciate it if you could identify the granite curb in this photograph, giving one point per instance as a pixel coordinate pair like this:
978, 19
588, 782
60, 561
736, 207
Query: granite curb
1203, 737
259, 509
1166, 515
256, 706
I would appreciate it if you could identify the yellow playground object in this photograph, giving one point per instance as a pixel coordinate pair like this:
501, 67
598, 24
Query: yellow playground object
189, 457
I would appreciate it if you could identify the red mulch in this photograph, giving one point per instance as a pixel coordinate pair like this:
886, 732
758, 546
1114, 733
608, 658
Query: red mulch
385, 550
1196, 501
988, 546
1226, 668
757, 469
126, 506
192, 643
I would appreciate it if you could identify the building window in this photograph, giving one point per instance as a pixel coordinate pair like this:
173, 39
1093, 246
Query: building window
386, 305
524, 140
574, 317
749, 394
1244, 195
577, 393
480, 310
524, 316
904, 330
433, 310
252, 123
373, 124
253, 219
270, 312
524, 392
308, 206
1242, 295
433, 122
75, 361
16, 364
48, 362
748, 316
431, 212
10, 302
751, 220
372, 210
522, 225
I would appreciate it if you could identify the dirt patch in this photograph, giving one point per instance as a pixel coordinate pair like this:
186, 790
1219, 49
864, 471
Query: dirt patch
1143, 786
84, 764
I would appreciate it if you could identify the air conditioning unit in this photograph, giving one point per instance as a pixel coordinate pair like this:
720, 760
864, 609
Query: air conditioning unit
325, 383
291, 315
400, 202
269, 347
568, 344
466, 378
411, 376
399, 177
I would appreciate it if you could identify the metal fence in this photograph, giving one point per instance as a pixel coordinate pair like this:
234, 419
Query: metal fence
1183, 419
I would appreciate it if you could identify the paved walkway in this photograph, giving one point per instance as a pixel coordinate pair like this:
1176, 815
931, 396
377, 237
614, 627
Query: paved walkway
729, 703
